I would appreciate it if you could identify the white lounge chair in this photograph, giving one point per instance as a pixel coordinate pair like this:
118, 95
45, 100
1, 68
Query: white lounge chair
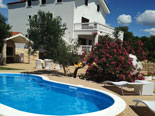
149, 104
140, 87
143, 87
48, 64
39, 64
120, 84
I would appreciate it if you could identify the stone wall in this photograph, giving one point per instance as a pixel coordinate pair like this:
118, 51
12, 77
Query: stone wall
20, 51
148, 67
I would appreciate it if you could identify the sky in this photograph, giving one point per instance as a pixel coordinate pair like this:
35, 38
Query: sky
138, 15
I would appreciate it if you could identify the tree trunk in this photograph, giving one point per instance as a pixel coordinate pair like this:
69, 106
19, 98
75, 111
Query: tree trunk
29, 55
64, 69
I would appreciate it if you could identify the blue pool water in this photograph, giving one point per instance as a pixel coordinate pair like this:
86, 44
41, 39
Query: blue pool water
32, 94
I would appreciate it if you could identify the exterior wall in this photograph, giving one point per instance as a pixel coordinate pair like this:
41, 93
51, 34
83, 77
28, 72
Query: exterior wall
26, 57
148, 67
90, 12
18, 14
71, 12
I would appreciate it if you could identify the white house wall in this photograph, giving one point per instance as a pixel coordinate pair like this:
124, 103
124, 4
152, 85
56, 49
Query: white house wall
18, 14
90, 12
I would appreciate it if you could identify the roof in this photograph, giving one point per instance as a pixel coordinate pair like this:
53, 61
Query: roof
18, 37
21, 1
15, 33
105, 7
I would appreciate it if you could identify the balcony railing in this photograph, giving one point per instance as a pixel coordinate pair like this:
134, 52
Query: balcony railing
87, 48
92, 26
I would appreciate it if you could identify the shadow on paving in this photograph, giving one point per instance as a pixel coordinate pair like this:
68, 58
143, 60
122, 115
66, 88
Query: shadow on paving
118, 90
142, 111
49, 72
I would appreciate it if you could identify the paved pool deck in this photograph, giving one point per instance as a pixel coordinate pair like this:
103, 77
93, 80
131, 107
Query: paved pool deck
130, 110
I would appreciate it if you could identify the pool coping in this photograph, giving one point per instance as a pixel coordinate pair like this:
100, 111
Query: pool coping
115, 109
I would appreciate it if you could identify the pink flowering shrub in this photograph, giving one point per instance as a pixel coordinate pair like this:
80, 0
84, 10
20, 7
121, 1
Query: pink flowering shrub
136, 48
109, 60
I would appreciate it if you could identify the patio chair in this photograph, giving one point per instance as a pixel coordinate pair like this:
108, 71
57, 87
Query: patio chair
48, 64
57, 66
39, 64
149, 104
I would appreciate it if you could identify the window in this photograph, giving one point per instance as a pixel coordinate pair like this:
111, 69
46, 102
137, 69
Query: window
82, 41
29, 2
43, 1
90, 42
59, 0
29, 16
85, 23
86, 2
98, 8
84, 20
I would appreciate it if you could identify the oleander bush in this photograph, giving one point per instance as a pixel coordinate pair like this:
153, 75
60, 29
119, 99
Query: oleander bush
109, 60
136, 48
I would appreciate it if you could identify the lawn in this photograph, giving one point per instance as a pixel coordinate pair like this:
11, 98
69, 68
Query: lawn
5, 68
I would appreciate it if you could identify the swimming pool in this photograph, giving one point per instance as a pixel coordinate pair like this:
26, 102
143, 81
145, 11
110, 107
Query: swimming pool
24, 94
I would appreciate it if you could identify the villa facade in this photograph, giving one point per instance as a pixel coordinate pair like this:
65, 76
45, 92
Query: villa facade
85, 19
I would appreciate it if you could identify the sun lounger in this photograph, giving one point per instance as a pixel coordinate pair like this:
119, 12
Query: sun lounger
140, 87
120, 84
143, 87
149, 104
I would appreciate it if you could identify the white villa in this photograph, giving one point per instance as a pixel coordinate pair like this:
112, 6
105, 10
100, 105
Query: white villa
85, 19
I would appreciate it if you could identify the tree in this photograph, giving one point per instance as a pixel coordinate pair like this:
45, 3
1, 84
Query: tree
46, 32
133, 44
5, 31
128, 36
150, 46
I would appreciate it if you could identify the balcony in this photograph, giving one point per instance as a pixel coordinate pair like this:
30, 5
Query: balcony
89, 28
93, 27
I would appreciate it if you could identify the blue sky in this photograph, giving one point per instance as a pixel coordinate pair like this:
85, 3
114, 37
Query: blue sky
139, 15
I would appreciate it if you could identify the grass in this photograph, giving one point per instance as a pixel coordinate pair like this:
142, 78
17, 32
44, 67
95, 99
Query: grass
5, 68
